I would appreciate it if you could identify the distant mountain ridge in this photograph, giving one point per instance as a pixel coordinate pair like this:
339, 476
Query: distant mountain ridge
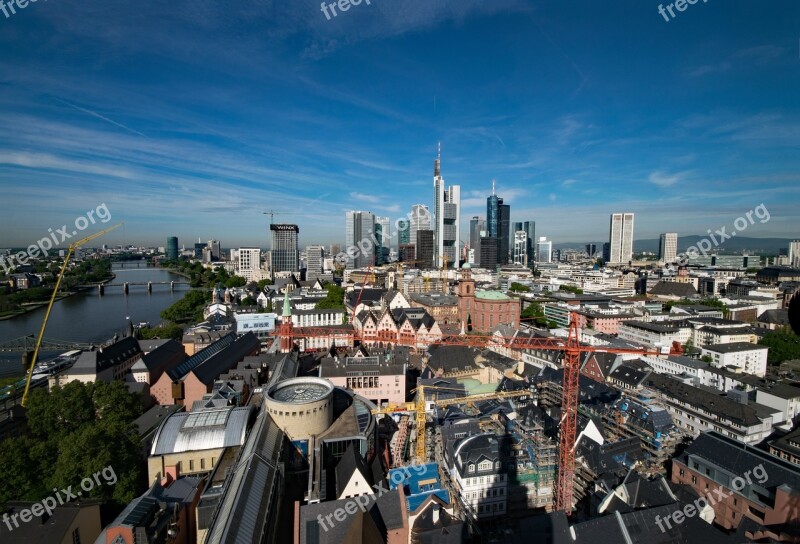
738, 244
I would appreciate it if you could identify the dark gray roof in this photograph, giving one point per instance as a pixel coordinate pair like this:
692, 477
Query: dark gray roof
192, 362
452, 358
653, 327
734, 347
350, 463
210, 369
92, 362
52, 529
775, 317
169, 352
699, 398
739, 458
673, 288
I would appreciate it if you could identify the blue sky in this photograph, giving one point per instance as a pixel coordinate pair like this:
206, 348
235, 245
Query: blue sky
190, 118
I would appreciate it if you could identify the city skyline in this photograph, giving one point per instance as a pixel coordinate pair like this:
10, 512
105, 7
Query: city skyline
201, 138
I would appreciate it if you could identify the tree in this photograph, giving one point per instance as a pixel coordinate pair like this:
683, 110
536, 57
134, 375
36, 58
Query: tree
707, 359
235, 281
334, 300
783, 345
170, 330
519, 288
571, 289
76, 431
248, 301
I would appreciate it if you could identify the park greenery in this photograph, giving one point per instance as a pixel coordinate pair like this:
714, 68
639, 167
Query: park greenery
519, 288
168, 330
75, 431
783, 344
571, 289
334, 300
534, 313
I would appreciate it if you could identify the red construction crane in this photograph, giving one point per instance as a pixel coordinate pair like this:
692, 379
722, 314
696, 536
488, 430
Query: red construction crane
573, 353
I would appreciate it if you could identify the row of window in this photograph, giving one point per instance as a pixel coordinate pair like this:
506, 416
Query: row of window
298, 413
486, 493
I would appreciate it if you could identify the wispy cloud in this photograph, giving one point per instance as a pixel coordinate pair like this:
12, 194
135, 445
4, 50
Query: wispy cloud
662, 179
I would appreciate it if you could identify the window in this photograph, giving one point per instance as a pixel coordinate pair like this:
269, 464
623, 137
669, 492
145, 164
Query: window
191, 465
202, 464
694, 479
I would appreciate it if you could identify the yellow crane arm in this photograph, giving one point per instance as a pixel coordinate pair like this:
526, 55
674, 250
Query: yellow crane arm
70, 251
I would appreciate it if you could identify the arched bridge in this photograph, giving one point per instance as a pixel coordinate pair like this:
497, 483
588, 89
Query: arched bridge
27, 343
126, 287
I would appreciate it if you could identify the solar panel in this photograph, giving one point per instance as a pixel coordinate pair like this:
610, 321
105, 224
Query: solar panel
206, 419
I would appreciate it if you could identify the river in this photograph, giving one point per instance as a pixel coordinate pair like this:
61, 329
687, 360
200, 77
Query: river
89, 317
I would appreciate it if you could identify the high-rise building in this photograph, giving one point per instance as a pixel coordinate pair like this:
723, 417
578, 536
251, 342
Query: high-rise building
172, 248
544, 250
216, 251
424, 248
606, 252
315, 260
591, 249
406, 252
198, 249
359, 239
284, 256
504, 248
620, 238
498, 216
668, 247
476, 225
794, 254
530, 230
381, 250
447, 214
520, 247
248, 264
488, 252
403, 233
420, 219
386, 230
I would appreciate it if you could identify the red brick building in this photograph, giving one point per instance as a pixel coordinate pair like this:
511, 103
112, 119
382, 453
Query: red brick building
481, 311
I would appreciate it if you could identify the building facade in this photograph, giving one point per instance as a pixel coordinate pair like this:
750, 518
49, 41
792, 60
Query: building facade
621, 238
359, 234
668, 247
284, 256
447, 214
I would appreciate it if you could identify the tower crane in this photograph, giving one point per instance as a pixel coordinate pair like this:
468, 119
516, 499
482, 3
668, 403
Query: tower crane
70, 250
273, 213
573, 352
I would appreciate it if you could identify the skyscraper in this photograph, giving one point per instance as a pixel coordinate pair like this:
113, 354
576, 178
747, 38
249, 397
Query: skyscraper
216, 251
172, 248
498, 217
591, 249
424, 248
420, 219
404, 233
621, 238
476, 225
359, 239
284, 256
447, 214
530, 230
544, 250
668, 247
488, 252
520, 247
794, 254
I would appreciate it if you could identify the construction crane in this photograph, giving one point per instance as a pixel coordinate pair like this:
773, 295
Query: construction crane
573, 353
72, 247
273, 213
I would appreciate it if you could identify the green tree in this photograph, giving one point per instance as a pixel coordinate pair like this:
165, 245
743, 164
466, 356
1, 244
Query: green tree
170, 330
248, 301
571, 289
235, 281
333, 300
519, 288
783, 345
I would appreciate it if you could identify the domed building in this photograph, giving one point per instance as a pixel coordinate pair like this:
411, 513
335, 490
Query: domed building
482, 310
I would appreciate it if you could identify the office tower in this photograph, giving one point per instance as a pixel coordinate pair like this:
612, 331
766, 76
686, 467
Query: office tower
447, 214
216, 252
668, 247
172, 248
425, 248
520, 247
315, 260
379, 247
420, 219
544, 250
606, 252
386, 230
516, 225
284, 256
407, 252
198, 249
488, 252
591, 249
476, 225
620, 238
504, 249
794, 254
248, 264
498, 217
359, 239
530, 231
403, 233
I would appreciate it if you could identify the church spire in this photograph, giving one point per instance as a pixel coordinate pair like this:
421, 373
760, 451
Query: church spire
287, 307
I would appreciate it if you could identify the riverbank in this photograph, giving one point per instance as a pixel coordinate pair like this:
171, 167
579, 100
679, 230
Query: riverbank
33, 306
